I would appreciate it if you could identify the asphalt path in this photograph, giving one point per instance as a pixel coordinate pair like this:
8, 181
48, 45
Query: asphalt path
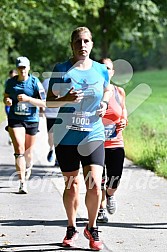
37, 221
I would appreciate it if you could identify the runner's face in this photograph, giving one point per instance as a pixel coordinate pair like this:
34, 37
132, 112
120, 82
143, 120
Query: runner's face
23, 71
109, 66
82, 45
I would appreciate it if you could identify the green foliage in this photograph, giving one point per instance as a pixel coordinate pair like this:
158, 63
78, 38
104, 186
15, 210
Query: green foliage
145, 137
153, 58
127, 22
41, 29
2, 112
147, 148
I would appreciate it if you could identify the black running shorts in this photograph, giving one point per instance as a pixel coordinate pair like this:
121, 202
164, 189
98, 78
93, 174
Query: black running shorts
30, 127
49, 123
112, 172
70, 156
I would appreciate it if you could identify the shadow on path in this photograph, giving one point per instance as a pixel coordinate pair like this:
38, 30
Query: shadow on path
30, 222
59, 245
81, 222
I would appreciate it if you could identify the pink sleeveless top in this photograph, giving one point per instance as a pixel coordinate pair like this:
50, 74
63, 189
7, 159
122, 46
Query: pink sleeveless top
114, 115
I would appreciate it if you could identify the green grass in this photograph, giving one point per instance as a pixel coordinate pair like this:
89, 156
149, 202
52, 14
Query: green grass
146, 135
2, 112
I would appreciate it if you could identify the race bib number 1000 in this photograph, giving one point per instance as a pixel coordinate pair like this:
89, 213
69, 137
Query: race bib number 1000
81, 122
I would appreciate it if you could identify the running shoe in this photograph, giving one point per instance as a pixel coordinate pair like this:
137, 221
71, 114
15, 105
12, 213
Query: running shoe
23, 188
50, 156
111, 204
102, 216
93, 237
71, 237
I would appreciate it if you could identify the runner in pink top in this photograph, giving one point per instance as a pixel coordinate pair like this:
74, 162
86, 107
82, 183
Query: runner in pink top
115, 120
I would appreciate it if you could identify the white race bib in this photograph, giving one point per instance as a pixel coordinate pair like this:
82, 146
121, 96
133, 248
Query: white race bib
22, 108
80, 121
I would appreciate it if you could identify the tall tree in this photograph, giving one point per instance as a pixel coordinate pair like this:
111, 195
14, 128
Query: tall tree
40, 29
128, 22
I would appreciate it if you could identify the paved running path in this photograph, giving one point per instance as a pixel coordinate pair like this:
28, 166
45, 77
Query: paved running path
37, 221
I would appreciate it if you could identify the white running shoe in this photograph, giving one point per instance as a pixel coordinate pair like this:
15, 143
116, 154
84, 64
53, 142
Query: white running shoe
23, 188
102, 216
111, 204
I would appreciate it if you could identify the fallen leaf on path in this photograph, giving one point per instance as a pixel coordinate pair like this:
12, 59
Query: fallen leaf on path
158, 205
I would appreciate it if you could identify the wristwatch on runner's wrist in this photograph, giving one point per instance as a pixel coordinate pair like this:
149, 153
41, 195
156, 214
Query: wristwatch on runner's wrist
106, 103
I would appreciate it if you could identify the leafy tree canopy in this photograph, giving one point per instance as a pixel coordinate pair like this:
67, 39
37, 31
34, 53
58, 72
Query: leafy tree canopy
41, 29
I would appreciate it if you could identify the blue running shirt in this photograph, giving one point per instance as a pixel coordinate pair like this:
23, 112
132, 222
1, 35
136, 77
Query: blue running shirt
78, 122
24, 111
